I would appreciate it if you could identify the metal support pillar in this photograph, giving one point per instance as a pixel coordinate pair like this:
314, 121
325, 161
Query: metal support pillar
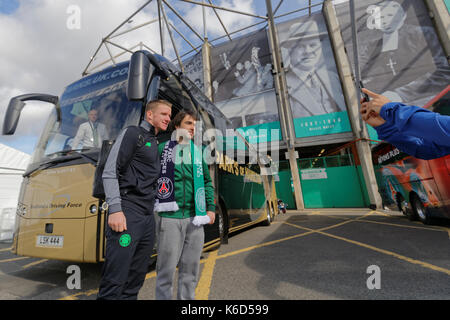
351, 95
441, 18
285, 114
206, 59
161, 30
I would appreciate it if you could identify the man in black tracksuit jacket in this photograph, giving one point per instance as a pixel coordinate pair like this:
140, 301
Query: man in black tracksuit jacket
129, 180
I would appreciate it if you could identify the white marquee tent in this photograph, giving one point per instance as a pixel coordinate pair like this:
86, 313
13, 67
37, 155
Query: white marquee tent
12, 166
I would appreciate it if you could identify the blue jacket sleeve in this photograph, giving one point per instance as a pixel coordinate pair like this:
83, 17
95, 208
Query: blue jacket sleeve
415, 131
418, 122
413, 146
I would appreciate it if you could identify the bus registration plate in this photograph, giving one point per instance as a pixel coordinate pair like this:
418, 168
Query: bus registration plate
50, 241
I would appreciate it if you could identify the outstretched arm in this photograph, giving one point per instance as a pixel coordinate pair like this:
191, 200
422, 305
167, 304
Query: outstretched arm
414, 146
418, 122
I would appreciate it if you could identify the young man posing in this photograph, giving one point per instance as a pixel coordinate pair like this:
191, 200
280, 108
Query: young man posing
185, 203
129, 179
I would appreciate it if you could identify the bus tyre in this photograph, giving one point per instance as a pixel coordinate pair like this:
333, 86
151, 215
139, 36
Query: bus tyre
268, 221
419, 210
223, 226
402, 205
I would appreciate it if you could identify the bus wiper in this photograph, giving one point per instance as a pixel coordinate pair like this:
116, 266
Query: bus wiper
47, 165
77, 153
66, 152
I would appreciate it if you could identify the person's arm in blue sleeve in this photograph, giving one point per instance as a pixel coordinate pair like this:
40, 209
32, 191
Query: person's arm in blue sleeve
418, 122
417, 131
414, 146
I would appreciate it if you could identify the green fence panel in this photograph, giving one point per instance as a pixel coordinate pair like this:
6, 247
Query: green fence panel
284, 189
335, 187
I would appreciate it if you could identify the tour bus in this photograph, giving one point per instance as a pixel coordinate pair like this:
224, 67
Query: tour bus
58, 217
420, 189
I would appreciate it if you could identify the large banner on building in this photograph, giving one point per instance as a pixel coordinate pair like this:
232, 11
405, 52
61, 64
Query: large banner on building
314, 88
193, 68
399, 52
243, 86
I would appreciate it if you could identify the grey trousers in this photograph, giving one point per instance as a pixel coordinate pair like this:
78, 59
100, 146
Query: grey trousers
180, 243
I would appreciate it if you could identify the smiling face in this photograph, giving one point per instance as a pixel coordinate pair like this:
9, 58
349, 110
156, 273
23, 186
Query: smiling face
159, 116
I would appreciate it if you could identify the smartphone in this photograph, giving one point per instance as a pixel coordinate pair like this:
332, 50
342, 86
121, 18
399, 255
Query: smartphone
364, 95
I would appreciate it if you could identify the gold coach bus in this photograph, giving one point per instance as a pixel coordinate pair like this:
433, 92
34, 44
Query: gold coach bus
58, 217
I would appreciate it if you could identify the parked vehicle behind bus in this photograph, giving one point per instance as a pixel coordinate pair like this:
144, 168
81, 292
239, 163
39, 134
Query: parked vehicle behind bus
418, 188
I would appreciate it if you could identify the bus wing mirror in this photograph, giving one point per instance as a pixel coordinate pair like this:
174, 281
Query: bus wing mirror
139, 76
16, 105
12, 116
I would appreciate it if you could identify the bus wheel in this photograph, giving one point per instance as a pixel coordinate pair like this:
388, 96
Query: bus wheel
223, 227
419, 210
402, 205
268, 221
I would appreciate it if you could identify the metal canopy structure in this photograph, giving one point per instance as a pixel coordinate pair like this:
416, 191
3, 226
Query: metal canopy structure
179, 39
185, 39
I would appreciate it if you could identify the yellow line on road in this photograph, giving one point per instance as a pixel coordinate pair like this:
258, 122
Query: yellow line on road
34, 263
265, 244
229, 254
95, 291
390, 253
203, 288
5, 249
85, 293
13, 259
204, 284
150, 275
401, 225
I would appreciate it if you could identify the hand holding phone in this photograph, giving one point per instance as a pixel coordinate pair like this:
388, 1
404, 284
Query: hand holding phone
365, 96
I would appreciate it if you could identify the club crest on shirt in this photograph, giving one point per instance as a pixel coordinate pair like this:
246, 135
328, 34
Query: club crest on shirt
165, 188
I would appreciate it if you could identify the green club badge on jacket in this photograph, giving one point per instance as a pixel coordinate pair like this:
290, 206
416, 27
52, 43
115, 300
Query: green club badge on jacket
148, 144
125, 240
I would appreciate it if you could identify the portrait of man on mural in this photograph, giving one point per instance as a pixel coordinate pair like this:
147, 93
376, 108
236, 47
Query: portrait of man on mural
313, 84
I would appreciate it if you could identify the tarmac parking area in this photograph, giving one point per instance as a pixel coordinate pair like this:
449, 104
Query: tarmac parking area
303, 255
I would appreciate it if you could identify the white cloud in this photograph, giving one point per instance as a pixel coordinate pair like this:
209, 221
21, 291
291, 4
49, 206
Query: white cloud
232, 21
40, 54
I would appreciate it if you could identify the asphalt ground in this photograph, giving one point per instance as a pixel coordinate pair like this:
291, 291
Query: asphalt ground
327, 254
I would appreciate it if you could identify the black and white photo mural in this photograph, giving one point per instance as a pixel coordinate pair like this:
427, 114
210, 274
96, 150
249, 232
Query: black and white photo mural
243, 86
314, 88
193, 68
399, 51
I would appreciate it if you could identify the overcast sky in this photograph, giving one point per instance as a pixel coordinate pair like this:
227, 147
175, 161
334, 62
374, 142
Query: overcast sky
46, 44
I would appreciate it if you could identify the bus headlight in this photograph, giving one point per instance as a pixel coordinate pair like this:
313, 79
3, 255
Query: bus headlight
93, 209
21, 209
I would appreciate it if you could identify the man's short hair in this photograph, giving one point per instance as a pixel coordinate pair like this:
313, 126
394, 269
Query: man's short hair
152, 105
176, 122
